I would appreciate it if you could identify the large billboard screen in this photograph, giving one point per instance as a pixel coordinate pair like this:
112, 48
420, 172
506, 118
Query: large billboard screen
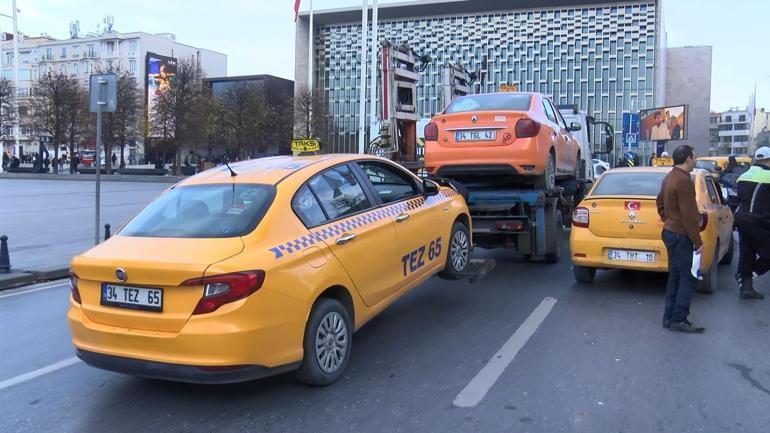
666, 123
161, 71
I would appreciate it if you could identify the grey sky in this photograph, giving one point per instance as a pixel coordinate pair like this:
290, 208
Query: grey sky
258, 35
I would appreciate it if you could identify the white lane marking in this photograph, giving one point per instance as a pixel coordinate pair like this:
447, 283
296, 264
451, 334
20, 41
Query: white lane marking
36, 288
477, 388
39, 372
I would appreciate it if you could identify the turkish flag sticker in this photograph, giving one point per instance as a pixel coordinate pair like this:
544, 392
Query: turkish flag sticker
633, 205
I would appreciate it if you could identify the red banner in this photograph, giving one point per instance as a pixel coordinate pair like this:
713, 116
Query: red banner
296, 9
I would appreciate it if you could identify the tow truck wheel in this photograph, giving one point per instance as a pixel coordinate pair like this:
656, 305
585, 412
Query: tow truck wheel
584, 274
547, 181
458, 252
553, 242
327, 343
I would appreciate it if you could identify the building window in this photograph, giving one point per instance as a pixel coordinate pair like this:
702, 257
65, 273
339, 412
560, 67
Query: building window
8, 58
742, 118
110, 48
132, 66
728, 119
48, 54
74, 69
63, 52
90, 51
63, 69
76, 51
132, 48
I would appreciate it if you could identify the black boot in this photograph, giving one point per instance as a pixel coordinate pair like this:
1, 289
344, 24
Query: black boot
746, 286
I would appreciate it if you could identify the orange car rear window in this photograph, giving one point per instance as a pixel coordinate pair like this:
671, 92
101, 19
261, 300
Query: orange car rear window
490, 102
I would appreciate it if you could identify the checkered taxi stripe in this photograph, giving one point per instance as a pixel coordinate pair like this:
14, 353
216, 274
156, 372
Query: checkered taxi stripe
331, 231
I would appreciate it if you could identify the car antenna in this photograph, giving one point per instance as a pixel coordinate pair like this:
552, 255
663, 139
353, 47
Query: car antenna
232, 173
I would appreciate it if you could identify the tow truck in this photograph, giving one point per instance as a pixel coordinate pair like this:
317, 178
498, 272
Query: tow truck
508, 215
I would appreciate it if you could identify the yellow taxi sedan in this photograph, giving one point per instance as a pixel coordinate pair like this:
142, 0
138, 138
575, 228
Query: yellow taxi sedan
231, 276
617, 226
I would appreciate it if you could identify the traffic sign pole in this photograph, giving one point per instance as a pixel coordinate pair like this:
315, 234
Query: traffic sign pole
102, 97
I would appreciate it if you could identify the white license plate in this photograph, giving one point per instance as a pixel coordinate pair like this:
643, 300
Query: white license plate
476, 135
631, 256
138, 298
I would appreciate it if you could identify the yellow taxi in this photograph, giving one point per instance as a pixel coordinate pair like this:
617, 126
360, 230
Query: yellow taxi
617, 225
719, 163
234, 275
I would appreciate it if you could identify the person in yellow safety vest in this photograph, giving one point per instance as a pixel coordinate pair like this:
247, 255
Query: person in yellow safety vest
753, 222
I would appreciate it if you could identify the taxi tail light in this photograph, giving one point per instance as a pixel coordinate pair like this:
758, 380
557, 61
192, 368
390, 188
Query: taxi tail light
704, 221
526, 128
431, 132
219, 290
74, 287
580, 217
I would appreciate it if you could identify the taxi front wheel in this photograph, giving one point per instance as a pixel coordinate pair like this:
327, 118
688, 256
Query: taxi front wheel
327, 343
458, 254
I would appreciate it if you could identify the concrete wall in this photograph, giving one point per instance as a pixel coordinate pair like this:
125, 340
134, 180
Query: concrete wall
688, 81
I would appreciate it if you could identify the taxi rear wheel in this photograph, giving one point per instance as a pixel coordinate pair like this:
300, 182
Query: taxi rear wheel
584, 274
458, 252
327, 343
709, 282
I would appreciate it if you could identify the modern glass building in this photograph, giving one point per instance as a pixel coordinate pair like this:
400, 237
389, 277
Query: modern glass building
601, 56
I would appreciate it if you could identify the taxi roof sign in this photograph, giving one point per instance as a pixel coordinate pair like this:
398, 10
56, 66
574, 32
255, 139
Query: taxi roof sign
305, 145
663, 162
509, 87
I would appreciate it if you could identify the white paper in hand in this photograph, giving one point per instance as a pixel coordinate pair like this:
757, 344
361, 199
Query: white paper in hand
695, 270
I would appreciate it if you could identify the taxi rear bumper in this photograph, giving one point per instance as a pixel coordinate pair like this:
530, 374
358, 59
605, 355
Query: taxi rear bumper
589, 250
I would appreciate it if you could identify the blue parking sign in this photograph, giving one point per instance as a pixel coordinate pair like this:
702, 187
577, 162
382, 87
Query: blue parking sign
630, 135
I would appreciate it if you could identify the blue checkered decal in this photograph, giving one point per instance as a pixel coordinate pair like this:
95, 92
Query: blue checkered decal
330, 231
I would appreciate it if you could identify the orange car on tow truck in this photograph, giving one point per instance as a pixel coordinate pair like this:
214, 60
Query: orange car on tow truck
521, 136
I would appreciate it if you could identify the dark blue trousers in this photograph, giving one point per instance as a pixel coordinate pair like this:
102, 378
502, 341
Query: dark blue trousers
681, 283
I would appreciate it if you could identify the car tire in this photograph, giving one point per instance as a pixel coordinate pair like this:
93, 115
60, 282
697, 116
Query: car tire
709, 282
459, 188
458, 252
584, 274
547, 181
728, 257
329, 321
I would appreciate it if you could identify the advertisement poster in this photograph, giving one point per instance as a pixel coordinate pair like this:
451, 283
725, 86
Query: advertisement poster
664, 124
161, 71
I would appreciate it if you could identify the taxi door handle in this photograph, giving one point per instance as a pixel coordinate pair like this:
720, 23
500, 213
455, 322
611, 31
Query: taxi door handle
345, 239
403, 217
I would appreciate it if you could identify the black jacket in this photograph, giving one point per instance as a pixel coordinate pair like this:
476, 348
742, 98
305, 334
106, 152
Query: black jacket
754, 192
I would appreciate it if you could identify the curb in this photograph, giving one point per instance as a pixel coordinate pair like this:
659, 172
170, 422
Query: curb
92, 177
24, 278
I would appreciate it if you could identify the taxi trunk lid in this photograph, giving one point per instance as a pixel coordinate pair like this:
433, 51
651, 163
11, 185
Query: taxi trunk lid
157, 263
627, 217
498, 122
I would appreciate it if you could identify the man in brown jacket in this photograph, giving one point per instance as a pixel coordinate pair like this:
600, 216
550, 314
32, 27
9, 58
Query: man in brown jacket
681, 234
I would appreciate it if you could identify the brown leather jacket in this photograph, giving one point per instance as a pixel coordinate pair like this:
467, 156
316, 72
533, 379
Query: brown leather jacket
677, 206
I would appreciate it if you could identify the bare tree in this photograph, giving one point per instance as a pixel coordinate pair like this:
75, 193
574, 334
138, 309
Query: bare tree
246, 107
279, 125
161, 123
53, 93
311, 116
7, 99
78, 121
214, 119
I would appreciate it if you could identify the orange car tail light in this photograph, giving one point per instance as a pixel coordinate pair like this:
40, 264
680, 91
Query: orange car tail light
431, 132
219, 290
580, 217
526, 128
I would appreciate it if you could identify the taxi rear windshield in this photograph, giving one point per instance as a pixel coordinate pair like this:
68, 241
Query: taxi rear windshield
490, 102
629, 184
706, 165
203, 211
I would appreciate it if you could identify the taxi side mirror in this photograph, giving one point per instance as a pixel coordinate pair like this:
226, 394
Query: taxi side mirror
430, 188
574, 126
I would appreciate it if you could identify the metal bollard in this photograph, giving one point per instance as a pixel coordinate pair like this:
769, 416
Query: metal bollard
5, 259
107, 232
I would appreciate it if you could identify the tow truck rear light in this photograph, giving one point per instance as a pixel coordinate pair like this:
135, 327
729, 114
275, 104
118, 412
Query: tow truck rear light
74, 287
219, 290
431, 132
704, 221
526, 128
580, 217
511, 226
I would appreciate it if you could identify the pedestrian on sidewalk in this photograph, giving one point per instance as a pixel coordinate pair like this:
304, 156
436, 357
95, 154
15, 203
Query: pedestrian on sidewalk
681, 234
753, 222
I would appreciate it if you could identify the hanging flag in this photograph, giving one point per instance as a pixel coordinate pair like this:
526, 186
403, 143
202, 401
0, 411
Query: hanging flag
296, 9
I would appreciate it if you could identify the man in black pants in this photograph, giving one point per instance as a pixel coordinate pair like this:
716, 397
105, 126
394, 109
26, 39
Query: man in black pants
681, 234
753, 222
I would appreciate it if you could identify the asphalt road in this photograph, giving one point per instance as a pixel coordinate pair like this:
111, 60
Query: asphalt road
50, 221
598, 362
